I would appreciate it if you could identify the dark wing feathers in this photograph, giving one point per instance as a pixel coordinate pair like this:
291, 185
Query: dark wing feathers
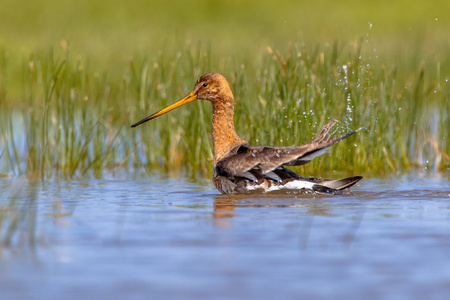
246, 159
238, 165
323, 132
341, 184
317, 149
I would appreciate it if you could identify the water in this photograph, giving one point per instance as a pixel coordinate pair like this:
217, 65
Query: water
175, 239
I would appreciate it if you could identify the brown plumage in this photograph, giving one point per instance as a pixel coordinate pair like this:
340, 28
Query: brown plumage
239, 167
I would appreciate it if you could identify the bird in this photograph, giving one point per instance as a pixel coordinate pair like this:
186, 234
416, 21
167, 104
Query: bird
241, 168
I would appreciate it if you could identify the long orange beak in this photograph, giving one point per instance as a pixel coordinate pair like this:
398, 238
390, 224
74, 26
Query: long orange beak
189, 98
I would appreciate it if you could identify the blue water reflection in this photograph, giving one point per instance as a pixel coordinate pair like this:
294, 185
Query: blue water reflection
171, 238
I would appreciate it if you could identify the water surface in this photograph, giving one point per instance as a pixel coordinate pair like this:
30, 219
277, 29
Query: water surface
172, 238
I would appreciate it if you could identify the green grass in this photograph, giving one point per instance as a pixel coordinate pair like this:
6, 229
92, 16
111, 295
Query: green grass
69, 120
73, 78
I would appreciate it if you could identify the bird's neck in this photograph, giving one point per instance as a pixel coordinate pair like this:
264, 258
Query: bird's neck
224, 135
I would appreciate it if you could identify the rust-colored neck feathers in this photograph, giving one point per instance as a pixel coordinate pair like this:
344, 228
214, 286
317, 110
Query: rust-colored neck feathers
215, 88
224, 135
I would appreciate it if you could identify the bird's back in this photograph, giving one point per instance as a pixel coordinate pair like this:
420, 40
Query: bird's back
263, 169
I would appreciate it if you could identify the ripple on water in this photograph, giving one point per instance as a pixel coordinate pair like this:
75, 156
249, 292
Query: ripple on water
117, 238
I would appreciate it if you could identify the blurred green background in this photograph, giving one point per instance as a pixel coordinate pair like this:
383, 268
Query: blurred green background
108, 33
118, 28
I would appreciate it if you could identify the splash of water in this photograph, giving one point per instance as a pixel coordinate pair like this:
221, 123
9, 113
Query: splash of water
343, 128
348, 115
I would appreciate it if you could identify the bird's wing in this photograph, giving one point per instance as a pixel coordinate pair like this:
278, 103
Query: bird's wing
246, 159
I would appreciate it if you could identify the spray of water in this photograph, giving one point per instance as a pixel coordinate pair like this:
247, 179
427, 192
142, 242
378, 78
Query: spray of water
349, 110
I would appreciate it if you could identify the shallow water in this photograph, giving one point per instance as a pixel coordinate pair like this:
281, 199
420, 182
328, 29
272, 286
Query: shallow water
171, 238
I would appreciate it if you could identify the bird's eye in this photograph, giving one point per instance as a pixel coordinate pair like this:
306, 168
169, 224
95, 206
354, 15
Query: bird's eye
205, 84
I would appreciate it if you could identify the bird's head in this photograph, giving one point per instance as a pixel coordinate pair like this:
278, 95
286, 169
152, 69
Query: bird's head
210, 86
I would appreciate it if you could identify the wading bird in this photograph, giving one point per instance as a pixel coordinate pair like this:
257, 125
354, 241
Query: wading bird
241, 168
